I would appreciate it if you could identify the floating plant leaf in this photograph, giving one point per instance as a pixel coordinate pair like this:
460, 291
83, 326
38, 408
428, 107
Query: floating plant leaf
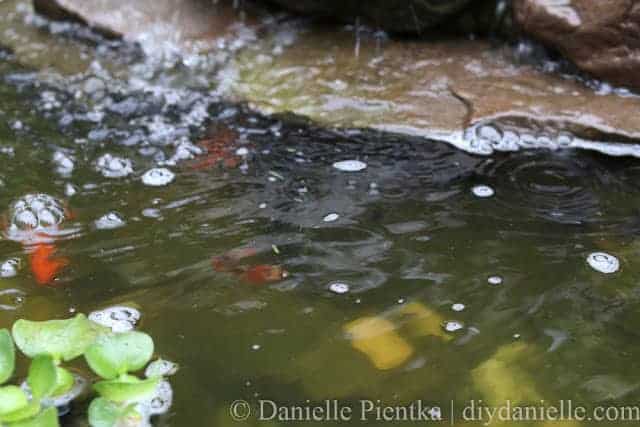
46, 418
64, 382
127, 388
28, 410
12, 398
62, 339
42, 376
116, 354
7, 356
103, 413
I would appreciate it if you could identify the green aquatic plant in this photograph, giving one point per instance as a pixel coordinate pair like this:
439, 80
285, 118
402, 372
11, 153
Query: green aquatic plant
123, 398
16, 407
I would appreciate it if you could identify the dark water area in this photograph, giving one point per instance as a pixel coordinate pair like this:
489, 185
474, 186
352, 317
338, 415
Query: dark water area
450, 296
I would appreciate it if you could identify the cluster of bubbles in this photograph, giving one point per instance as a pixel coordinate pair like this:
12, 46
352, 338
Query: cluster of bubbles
34, 216
122, 319
9, 268
117, 318
111, 166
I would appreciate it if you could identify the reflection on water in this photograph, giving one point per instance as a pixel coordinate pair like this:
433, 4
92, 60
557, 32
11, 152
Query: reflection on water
287, 262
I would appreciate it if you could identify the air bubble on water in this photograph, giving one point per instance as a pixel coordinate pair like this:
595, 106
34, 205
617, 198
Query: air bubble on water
603, 262
161, 368
118, 318
331, 217
151, 213
185, 150
339, 288
11, 299
262, 205
457, 307
9, 268
64, 163
113, 166
34, 214
242, 151
483, 191
350, 166
109, 221
453, 326
158, 403
255, 347
158, 177
70, 190
494, 280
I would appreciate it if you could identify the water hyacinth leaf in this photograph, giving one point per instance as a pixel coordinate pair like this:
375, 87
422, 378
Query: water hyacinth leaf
62, 339
103, 413
128, 389
28, 410
64, 382
42, 376
46, 418
7, 356
116, 354
12, 398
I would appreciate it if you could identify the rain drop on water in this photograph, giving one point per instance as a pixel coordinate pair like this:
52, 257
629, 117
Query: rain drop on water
495, 280
603, 262
457, 307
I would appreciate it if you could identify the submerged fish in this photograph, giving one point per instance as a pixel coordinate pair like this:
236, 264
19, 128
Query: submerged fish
218, 150
44, 265
257, 274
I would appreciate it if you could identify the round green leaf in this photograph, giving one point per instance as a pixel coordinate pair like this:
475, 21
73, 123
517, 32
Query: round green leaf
12, 398
64, 382
103, 413
61, 339
46, 418
129, 389
42, 376
25, 412
116, 354
7, 356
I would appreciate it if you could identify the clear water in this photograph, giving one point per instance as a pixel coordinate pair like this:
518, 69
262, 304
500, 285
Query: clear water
454, 281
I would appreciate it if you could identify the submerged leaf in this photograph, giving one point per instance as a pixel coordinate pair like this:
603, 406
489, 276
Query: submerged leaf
42, 376
116, 354
7, 356
127, 389
62, 339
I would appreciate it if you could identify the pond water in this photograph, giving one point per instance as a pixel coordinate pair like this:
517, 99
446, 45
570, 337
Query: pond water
415, 271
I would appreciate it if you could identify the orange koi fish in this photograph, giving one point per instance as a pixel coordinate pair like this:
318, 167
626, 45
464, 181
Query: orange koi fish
257, 274
44, 265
